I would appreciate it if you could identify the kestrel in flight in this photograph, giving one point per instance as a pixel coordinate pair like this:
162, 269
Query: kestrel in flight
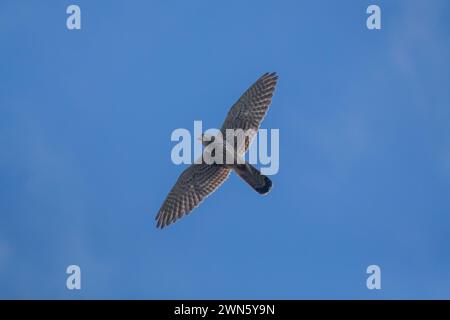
200, 180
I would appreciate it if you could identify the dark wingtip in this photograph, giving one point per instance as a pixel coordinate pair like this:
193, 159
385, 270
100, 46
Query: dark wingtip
267, 75
266, 188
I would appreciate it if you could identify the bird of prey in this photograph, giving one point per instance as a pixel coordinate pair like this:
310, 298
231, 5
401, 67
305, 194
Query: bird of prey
199, 180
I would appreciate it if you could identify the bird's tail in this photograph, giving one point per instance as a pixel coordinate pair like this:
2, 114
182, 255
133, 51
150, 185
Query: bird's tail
254, 178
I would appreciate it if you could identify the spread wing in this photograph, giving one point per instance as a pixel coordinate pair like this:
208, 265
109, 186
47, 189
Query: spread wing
249, 111
194, 184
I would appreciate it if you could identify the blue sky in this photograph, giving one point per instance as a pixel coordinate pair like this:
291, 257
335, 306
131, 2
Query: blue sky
85, 124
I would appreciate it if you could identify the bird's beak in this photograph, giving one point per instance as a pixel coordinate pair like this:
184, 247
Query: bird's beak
199, 138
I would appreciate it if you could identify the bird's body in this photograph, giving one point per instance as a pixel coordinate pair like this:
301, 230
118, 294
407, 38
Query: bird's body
203, 177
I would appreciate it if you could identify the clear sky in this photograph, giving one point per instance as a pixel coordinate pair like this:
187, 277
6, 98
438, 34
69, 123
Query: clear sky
85, 123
